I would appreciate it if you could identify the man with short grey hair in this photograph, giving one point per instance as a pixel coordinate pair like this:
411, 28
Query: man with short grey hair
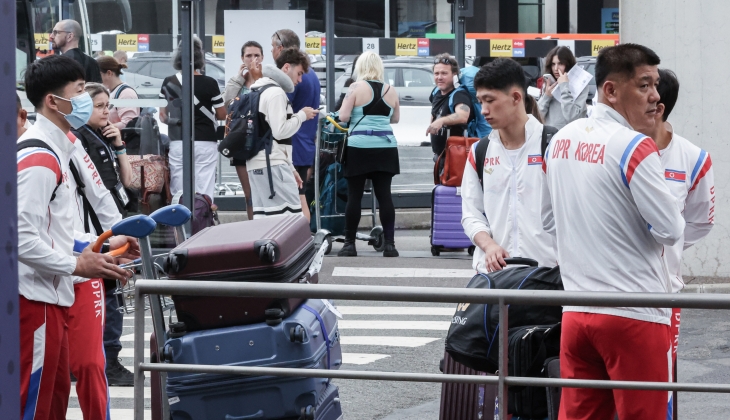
306, 94
65, 37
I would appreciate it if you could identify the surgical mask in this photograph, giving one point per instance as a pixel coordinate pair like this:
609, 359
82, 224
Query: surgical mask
123, 77
83, 106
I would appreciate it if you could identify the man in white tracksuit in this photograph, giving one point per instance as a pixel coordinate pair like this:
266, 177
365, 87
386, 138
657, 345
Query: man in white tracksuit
689, 175
502, 216
277, 110
612, 213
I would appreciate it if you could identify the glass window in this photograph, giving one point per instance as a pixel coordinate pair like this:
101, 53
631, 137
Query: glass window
529, 16
135, 66
417, 78
390, 76
161, 69
214, 71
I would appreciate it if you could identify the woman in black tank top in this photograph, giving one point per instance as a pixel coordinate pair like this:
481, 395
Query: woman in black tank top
372, 153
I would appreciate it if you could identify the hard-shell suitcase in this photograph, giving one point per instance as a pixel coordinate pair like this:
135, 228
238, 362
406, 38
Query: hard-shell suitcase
446, 229
309, 338
273, 249
465, 401
328, 406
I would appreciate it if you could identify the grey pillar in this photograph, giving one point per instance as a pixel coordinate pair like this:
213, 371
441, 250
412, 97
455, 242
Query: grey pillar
462, 10
188, 116
492, 16
330, 35
573, 28
9, 322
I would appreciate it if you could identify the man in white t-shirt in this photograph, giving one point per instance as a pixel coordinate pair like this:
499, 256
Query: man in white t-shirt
501, 211
609, 206
689, 175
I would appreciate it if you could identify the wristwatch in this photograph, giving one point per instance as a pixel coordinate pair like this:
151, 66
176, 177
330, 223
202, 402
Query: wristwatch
122, 147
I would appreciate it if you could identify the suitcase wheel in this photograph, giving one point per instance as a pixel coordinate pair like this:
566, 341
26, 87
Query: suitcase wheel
274, 316
297, 335
307, 413
268, 250
471, 250
441, 365
177, 330
435, 251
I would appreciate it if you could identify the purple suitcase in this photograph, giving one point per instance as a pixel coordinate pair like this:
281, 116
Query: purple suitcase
446, 230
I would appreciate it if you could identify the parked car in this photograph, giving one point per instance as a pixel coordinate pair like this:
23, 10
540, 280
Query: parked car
589, 64
414, 81
146, 71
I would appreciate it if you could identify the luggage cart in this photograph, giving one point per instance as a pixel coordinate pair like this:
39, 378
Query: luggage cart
330, 140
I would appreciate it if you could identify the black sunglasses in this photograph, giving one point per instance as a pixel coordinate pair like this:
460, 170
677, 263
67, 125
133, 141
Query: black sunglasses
279, 38
444, 61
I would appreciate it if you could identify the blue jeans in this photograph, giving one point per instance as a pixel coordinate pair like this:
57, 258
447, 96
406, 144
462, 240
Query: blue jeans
114, 324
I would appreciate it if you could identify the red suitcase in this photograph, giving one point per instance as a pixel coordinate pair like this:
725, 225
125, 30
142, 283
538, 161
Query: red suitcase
465, 401
273, 249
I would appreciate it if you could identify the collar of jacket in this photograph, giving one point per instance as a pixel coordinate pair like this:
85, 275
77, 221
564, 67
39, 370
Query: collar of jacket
603, 111
275, 75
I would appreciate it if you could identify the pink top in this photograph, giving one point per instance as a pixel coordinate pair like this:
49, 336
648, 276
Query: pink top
120, 117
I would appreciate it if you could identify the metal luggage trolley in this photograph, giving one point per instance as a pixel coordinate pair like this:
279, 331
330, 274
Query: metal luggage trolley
330, 139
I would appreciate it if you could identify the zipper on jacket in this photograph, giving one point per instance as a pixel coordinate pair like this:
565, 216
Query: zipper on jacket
513, 209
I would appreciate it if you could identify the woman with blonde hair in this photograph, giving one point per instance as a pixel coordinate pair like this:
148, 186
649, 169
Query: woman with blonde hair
370, 107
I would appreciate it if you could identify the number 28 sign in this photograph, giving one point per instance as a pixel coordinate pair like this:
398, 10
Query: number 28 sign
371, 44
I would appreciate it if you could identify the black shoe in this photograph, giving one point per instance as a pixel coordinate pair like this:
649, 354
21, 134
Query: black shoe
390, 250
348, 250
73, 378
117, 374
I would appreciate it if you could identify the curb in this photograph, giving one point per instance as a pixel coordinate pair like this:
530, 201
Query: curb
407, 219
707, 288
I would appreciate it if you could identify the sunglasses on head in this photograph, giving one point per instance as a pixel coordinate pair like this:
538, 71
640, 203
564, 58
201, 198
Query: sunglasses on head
443, 61
279, 38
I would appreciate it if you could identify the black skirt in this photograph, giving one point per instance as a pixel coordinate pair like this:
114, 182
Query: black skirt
361, 161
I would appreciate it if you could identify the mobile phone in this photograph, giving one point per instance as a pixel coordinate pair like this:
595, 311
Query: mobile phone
548, 79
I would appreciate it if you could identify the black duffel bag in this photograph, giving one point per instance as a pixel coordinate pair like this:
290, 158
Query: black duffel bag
473, 338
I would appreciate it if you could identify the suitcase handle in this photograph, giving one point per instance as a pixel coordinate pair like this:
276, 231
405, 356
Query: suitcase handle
257, 415
521, 261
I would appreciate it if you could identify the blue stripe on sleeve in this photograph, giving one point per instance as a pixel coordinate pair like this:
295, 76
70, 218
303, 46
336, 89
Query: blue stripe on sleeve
697, 167
625, 156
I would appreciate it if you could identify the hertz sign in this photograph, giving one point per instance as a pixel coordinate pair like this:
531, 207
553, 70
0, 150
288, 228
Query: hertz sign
406, 46
500, 48
314, 45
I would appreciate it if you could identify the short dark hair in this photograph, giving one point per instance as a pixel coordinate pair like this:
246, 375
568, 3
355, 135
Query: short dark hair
668, 91
446, 58
623, 60
294, 57
286, 38
50, 75
501, 74
564, 55
251, 44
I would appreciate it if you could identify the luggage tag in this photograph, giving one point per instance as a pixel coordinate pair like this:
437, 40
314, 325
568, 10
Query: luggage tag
121, 194
317, 260
332, 308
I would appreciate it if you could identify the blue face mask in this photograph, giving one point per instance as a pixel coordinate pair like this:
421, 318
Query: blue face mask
83, 106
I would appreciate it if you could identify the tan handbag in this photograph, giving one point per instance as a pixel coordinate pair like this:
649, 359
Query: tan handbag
148, 169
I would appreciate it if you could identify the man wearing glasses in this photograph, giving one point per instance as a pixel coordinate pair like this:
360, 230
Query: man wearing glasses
65, 38
451, 109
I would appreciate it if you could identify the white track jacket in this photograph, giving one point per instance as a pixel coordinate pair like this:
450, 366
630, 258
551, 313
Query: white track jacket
98, 195
46, 228
507, 207
612, 213
690, 178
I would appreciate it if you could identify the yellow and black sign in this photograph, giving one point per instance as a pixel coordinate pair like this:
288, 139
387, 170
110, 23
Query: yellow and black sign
314, 45
42, 42
127, 42
219, 44
500, 48
406, 46
598, 45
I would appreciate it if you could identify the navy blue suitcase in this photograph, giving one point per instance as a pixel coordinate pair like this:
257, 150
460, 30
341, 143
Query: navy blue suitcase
298, 341
328, 406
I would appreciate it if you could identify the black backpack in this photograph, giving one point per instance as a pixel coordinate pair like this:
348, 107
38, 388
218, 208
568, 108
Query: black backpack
248, 131
473, 338
481, 151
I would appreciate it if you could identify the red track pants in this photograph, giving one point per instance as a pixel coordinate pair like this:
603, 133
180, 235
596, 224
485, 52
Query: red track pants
44, 380
595, 346
86, 349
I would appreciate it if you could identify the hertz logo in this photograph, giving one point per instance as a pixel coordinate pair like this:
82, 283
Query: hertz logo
462, 306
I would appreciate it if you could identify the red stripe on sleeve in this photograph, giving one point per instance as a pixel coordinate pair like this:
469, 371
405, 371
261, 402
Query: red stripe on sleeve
41, 159
644, 149
705, 167
471, 159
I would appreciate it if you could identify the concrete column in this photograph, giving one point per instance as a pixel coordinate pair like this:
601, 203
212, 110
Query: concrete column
211, 7
573, 16
688, 36
492, 16
443, 17
550, 17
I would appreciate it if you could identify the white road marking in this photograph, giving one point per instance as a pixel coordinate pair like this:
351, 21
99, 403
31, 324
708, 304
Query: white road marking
116, 414
380, 272
129, 352
361, 358
395, 310
130, 337
362, 340
347, 324
117, 391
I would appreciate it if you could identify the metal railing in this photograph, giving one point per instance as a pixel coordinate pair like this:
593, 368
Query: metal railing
414, 294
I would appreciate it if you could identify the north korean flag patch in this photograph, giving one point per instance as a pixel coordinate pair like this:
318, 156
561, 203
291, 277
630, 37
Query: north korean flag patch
534, 160
672, 175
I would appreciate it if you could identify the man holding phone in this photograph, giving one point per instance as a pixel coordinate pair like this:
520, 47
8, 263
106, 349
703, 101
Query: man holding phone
252, 54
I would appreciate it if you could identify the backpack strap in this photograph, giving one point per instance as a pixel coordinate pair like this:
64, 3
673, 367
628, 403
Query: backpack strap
43, 145
269, 141
547, 134
89, 212
480, 154
121, 88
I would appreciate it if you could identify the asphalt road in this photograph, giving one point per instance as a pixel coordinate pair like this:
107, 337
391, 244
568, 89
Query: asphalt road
409, 337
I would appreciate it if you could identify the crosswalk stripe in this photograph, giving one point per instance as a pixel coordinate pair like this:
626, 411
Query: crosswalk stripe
402, 272
116, 414
117, 391
395, 310
361, 358
130, 337
346, 324
362, 340
129, 352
